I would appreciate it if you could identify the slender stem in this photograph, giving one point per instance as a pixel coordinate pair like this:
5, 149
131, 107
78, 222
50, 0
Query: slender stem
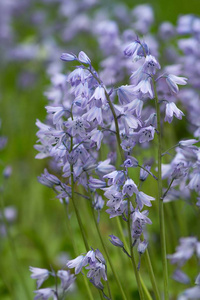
13, 249
114, 115
107, 254
166, 152
152, 276
161, 208
148, 172
75, 207
167, 190
132, 256
126, 246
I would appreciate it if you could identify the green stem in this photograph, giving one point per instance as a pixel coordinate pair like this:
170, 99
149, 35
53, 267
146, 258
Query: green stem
161, 208
126, 247
148, 172
107, 255
75, 207
152, 276
76, 251
132, 256
114, 115
14, 251
165, 193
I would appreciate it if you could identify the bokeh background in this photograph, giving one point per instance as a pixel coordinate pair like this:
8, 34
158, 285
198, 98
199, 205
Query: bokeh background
33, 34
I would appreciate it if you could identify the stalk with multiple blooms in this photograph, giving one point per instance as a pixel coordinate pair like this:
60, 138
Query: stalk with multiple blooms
86, 116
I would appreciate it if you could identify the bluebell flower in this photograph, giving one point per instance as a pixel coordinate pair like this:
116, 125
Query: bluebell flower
77, 126
173, 81
131, 49
143, 199
68, 57
130, 162
83, 58
172, 110
144, 86
40, 274
78, 263
129, 187
104, 167
142, 246
48, 179
144, 174
146, 134
96, 183
116, 241
44, 294
181, 277
66, 279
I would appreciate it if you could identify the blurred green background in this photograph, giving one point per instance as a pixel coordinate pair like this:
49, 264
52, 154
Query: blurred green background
39, 233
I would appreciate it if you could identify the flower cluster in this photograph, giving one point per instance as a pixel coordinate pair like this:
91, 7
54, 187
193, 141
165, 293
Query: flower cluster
95, 263
41, 275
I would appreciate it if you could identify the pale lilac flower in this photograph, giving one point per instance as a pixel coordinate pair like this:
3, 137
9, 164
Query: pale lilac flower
144, 174
142, 247
143, 199
57, 111
66, 279
96, 183
184, 251
181, 277
197, 281
48, 179
127, 144
44, 294
144, 86
116, 241
99, 96
115, 199
96, 136
68, 57
150, 65
191, 293
131, 48
105, 167
137, 215
131, 162
173, 81
125, 94
98, 202
129, 187
78, 263
94, 114
7, 172
194, 183
144, 17
115, 177
82, 57
146, 134
40, 274
172, 110
188, 143
96, 272
77, 126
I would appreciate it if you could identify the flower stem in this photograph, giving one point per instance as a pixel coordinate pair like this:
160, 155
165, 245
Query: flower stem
114, 115
76, 252
133, 258
75, 207
160, 200
152, 276
107, 254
